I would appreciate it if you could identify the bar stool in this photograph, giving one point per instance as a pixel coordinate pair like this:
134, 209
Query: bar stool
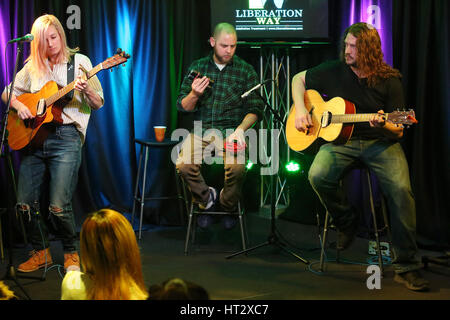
375, 226
194, 211
139, 196
192, 224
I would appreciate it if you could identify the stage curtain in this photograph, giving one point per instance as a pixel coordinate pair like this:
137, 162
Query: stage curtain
421, 37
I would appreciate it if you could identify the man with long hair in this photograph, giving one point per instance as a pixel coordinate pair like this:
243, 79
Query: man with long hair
110, 261
59, 156
362, 77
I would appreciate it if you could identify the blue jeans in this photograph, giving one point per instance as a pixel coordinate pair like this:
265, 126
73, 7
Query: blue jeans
387, 160
59, 159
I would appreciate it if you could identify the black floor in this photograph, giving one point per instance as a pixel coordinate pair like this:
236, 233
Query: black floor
267, 273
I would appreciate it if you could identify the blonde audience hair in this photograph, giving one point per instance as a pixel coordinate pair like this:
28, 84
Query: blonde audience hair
38, 46
110, 256
6, 293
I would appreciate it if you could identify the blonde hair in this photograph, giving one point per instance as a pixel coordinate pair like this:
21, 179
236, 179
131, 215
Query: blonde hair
38, 47
110, 256
6, 293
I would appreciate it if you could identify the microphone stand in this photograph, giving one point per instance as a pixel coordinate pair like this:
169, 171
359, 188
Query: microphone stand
273, 238
5, 153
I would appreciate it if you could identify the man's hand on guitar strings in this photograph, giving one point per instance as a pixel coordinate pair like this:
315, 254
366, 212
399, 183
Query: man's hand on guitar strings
303, 122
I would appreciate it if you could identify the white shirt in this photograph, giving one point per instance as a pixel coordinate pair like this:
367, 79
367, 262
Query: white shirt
77, 111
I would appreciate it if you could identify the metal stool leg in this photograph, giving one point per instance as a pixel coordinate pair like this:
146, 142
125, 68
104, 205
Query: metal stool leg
324, 239
241, 223
180, 196
144, 179
1, 239
375, 226
188, 232
136, 188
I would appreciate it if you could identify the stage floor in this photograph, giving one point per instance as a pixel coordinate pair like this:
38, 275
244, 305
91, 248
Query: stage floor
266, 273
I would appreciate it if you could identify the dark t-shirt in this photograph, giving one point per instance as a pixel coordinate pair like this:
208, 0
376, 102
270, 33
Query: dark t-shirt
336, 79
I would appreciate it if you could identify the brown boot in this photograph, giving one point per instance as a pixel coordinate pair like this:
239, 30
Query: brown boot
71, 262
38, 259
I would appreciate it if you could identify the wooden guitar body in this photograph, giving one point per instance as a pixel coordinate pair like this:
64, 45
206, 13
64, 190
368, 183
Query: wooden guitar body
317, 107
23, 132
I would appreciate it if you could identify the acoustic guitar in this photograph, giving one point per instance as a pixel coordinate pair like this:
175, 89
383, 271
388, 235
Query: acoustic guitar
46, 107
333, 120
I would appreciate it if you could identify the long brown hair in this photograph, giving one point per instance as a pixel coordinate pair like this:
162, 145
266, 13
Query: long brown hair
110, 256
370, 58
38, 46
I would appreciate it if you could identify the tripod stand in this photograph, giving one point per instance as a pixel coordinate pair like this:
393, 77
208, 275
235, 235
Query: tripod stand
10, 181
273, 238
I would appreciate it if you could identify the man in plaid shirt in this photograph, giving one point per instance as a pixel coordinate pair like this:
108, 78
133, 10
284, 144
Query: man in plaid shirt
215, 99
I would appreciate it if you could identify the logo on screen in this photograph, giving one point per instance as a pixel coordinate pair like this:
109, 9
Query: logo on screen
259, 4
269, 15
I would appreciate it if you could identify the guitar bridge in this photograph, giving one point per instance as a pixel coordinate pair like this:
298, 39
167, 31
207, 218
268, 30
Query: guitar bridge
326, 119
41, 108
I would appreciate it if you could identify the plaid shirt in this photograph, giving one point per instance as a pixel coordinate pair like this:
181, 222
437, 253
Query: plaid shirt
221, 107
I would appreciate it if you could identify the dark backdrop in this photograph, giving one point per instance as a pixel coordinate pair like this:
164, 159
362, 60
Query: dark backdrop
163, 37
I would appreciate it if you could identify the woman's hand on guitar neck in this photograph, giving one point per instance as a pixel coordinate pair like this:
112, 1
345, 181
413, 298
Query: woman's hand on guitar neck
303, 119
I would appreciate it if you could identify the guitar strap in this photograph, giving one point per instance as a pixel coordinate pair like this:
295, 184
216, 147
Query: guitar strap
70, 77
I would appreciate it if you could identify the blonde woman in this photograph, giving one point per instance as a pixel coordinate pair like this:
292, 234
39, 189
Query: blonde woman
110, 260
59, 155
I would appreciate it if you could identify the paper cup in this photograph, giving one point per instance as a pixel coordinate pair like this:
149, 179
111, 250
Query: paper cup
160, 131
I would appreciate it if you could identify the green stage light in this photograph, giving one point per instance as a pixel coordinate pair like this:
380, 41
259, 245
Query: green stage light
249, 165
292, 167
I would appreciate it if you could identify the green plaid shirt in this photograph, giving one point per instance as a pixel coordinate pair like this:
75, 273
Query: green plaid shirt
221, 107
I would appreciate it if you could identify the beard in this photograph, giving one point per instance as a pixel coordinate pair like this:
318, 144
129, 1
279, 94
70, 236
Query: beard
351, 62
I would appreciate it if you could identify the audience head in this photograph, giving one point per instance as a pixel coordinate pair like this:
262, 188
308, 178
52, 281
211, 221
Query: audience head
110, 255
6, 293
177, 289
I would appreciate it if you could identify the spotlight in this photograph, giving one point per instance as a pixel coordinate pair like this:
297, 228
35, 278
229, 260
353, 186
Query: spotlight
293, 167
249, 165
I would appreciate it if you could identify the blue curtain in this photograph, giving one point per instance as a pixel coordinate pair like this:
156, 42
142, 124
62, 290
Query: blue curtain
136, 97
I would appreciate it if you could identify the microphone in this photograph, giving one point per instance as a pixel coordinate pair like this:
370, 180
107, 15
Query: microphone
245, 94
28, 38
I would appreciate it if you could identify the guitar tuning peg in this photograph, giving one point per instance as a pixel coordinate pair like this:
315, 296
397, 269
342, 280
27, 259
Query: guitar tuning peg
119, 50
123, 65
111, 70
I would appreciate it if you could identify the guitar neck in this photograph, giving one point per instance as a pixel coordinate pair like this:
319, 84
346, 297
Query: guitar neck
352, 118
62, 92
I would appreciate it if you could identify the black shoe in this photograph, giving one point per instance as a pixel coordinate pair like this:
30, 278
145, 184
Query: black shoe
413, 280
229, 222
347, 235
204, 220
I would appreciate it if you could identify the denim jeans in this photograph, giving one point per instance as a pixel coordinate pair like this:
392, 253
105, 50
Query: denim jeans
58, 159
387, 160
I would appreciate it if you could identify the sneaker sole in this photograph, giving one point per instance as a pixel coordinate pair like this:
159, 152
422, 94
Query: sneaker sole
408, 285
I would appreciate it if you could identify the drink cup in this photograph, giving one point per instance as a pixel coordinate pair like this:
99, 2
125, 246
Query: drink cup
160, 131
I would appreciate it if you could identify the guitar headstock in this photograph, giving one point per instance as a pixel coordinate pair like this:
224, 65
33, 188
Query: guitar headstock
403, 117
119, 58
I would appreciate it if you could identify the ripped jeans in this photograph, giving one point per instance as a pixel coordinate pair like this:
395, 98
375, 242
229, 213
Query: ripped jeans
59, 159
